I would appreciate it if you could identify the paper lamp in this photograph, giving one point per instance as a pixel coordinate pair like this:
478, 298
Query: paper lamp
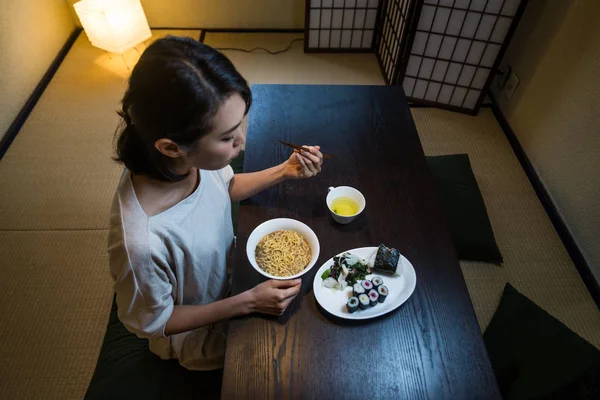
113, 25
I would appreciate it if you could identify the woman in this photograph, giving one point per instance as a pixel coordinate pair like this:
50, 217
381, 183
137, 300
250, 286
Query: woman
170, 229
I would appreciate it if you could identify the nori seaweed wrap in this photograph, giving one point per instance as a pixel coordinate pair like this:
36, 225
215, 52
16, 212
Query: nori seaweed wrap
386, 259
352, 304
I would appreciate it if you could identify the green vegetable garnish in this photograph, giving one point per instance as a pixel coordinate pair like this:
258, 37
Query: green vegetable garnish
356, 272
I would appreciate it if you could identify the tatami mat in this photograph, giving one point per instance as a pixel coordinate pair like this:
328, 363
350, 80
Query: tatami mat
294, 66
57, 181
55, 294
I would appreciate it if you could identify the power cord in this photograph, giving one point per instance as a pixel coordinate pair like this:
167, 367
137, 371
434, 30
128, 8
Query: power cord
289, 46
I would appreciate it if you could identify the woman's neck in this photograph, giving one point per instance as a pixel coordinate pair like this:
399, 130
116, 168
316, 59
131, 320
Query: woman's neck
157, 196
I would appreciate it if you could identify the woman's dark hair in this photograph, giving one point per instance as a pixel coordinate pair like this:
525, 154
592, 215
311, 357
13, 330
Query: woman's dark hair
175, 90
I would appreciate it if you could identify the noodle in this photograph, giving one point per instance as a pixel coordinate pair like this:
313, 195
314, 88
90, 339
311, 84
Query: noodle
283, 253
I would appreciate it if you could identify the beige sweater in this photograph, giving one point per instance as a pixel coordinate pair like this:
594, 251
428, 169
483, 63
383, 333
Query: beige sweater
173, 258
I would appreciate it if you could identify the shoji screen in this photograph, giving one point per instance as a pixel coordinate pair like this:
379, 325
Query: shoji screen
456, 47
340, 25
443, 52
392, 35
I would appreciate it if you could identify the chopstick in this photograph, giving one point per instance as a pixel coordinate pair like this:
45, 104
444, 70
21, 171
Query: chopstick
299, 148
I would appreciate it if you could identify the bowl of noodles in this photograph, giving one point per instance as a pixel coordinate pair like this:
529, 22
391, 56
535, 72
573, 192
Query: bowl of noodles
282, 248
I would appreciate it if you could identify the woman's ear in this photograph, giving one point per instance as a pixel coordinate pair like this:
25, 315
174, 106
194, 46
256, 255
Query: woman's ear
169, 148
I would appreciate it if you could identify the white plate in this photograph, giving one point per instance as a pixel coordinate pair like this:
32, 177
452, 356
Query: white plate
400, 288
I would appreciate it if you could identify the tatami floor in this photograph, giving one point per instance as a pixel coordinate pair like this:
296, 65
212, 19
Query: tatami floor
57, 180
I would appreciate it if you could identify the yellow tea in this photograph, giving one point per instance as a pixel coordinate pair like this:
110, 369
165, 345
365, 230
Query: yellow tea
344, 206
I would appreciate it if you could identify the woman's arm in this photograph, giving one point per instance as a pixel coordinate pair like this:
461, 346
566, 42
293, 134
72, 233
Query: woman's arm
270, 297
299, 165
247, 185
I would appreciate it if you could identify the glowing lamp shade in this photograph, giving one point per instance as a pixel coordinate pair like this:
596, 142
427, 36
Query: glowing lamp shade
113, 25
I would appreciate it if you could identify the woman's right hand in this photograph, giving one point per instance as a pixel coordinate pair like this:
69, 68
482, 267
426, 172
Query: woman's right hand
273, 296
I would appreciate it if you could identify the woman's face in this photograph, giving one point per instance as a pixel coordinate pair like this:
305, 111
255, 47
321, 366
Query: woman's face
217, 149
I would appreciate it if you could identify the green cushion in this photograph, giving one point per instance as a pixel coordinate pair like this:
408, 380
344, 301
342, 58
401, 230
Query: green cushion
464, 208
238, 166
534, 355
127, 369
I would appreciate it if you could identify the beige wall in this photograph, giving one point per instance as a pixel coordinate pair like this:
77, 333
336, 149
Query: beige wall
555, 111
31, 35
283, 14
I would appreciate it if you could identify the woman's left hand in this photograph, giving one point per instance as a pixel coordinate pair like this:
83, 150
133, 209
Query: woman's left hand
304, 164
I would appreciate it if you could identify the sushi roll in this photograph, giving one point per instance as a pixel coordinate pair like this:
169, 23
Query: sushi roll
373, 297
377, 281
383, 293
367, 285
352, 304
363, 301
357, 289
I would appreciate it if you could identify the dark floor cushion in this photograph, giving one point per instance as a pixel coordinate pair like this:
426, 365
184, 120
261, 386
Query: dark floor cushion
126, 369
464, 208
238, 166
535, 356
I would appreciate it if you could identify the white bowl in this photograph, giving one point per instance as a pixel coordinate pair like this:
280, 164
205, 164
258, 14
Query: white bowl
277, 224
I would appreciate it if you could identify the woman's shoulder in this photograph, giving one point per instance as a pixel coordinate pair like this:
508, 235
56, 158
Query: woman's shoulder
224, 174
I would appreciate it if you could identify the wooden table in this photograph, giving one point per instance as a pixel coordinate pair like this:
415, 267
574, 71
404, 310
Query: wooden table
431, 347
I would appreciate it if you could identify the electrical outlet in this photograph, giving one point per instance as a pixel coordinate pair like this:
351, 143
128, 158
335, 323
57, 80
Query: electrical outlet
501, 75
510, 85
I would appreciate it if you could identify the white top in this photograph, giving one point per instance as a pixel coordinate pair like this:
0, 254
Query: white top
179, 256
